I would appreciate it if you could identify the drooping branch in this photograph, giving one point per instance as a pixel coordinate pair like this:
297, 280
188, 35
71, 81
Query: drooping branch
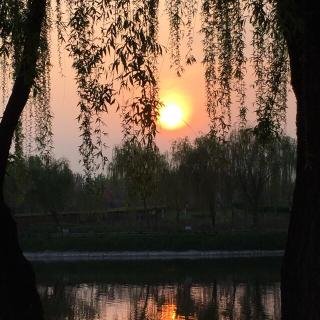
239, 59
24, 80
115, 49
224, 26
12, 41
181, 15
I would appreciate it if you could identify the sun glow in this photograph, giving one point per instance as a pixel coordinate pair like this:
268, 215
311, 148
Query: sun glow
171, 116
174, 113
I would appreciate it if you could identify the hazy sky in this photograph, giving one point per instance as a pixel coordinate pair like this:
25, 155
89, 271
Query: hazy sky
190, 87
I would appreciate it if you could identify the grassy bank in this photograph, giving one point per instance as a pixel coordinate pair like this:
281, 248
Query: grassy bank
154, 272
124, 241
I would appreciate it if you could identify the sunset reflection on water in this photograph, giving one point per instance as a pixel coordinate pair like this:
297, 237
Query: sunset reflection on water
127, 302
217, 296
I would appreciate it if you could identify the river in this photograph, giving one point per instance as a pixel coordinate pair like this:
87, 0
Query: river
228, 289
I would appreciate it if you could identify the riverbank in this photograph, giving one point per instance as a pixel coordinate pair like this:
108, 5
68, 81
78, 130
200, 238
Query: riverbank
154, 242
48, 256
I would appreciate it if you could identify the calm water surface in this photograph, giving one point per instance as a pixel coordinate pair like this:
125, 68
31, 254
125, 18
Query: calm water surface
247, 289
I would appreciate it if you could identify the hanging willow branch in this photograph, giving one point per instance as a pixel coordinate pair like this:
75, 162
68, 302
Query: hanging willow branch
140, 114
181, 15
41, 94
270, 60
114, 47
224, 25
239, 59
12, 16
223, 62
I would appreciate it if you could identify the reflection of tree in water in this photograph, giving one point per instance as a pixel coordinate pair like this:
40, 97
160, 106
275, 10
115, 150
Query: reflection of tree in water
57, 303
184, 301
139, 302
259, 312
228, 299
244, 301
255, 302
224, 300
211, 309
69, 302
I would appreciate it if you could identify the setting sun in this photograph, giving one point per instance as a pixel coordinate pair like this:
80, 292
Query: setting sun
175, 111
171, 116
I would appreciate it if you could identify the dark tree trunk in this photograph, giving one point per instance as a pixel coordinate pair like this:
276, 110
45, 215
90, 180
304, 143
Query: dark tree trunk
300, 286
19, 298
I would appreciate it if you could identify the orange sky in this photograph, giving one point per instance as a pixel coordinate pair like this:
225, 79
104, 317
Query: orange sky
190, 85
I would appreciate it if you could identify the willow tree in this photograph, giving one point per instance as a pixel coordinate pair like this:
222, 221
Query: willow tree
284, 46
114, 49
141, 168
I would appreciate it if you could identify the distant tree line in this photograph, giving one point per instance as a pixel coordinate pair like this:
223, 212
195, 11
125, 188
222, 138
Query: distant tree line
207, 175
241, 173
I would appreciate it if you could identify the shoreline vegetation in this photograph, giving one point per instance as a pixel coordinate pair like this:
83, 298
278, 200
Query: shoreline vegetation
142, 243
202, 196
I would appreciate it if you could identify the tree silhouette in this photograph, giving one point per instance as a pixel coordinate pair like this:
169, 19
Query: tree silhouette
284, 31
39, 186
141, 168
253, 164
17, 278
130, 32
202, 168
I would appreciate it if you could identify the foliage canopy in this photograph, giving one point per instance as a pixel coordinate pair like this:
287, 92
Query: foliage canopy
114, 46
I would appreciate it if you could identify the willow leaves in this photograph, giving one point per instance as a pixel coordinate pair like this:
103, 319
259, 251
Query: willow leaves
227, 27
